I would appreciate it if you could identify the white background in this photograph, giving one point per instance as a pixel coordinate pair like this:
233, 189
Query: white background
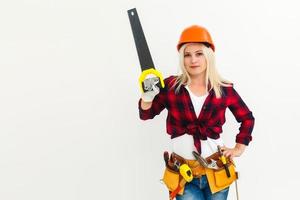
69, 125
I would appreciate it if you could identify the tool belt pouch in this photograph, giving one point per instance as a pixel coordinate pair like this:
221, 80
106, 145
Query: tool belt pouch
172, 178
217, 178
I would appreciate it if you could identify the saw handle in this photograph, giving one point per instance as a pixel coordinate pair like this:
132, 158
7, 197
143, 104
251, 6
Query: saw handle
147, 72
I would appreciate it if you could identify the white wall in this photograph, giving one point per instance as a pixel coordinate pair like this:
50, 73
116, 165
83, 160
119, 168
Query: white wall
69, 125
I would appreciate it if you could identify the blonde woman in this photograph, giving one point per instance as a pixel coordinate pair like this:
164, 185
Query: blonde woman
196, 101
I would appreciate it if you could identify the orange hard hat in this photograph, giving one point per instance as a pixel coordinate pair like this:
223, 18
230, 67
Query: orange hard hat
195, 33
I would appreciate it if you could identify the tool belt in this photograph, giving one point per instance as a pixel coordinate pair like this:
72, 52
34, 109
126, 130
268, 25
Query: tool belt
217, 178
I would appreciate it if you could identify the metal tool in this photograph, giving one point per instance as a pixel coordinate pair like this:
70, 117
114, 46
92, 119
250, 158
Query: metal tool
170, 162
177, 164
204, 163
146, 62
213, 164
184, 170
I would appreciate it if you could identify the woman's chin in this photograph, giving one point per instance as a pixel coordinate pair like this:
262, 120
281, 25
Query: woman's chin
194, 74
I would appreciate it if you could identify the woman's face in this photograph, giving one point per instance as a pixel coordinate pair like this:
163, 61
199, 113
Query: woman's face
194, 60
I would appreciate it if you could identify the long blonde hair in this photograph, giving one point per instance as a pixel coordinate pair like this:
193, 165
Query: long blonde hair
212, 78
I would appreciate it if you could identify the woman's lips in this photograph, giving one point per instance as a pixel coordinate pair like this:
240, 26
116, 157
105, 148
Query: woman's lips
194, 66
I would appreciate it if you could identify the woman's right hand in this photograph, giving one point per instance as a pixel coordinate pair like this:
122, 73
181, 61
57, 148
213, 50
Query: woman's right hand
237, 151
148, 96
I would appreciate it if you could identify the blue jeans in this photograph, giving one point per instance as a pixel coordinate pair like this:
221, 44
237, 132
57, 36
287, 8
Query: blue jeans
198, 189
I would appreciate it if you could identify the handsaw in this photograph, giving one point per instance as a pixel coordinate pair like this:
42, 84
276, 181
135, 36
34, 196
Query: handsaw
146, 62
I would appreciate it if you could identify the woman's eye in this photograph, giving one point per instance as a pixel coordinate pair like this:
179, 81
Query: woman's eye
186, 55
199, 54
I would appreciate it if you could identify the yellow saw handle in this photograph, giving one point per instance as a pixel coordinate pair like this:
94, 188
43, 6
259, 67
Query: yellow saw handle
147, 72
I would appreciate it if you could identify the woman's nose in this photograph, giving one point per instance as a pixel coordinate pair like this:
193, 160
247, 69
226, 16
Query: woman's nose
193, 59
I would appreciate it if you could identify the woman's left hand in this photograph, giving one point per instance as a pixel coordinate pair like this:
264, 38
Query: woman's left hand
233, 152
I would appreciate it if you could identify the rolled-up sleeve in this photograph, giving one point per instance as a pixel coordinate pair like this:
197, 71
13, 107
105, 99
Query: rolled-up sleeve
243, 115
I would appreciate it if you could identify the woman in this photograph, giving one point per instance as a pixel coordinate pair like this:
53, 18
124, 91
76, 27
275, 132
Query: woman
196, 102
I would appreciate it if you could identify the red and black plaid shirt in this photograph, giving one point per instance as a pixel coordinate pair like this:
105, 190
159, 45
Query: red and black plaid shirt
182, 119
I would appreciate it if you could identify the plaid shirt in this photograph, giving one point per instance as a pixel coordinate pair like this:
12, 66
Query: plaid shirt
182, 119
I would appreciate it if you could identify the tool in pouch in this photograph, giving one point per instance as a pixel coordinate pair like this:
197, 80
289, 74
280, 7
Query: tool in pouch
204, 163
220, 171
146, 62
224, 162
176, 168
228, 174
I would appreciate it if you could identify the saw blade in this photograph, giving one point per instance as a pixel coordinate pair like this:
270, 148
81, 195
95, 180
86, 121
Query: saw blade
142, 48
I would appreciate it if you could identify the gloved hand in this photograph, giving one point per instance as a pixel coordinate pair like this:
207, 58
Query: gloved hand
149, 95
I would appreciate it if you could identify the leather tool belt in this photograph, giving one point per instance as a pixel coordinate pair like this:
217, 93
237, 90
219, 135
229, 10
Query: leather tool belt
217, 178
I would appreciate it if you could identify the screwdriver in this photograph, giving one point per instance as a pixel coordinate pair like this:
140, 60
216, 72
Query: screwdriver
224, 162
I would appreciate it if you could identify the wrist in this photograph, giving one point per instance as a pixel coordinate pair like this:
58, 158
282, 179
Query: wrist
240, 148
147, 98
145, 105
